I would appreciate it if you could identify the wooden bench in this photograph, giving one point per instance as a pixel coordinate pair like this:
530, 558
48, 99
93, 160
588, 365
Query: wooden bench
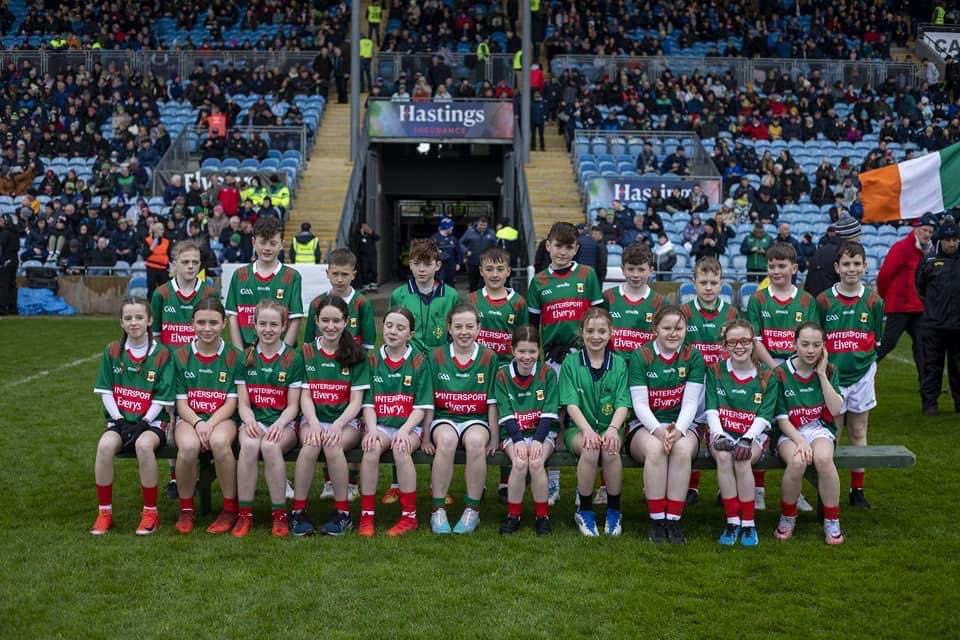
872, 457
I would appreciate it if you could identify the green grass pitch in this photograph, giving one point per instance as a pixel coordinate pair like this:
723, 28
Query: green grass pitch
897, 575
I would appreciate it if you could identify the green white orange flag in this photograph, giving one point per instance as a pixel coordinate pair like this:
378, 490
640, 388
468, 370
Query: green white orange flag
907, 190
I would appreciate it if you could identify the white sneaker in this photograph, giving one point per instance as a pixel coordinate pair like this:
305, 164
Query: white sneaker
353, 492
803, 505
439, 523
468, 521
600, 497
760, 499
289, 491
553, 491
327, 493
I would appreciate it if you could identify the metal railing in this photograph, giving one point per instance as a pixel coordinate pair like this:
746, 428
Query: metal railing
699, 162
522, 202
499, 66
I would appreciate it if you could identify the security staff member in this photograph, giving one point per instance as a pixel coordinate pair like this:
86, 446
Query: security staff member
373, 21
938, 284
305, 247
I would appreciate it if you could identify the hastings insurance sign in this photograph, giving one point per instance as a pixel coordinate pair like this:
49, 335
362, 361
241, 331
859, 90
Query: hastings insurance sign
481, 120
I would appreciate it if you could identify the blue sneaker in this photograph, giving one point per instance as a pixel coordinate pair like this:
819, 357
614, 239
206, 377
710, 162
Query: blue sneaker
730, 534
339, 524
439, 523
468, 521
300, 524
749, 537
611, 526
587, 523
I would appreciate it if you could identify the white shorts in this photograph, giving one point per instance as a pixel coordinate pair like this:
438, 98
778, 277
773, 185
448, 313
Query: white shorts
551, 438
810, 432
861, 396
760, 440
353, 424
459, 427
290, 425
391, 432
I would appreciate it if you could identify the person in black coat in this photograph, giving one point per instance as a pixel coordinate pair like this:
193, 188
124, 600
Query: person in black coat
9, 261
364, 246
821, 274
592, 252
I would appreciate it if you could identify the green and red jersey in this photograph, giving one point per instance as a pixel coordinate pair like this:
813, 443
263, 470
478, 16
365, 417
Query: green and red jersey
135, 383
665, 378
397, 387
597, 399
632, 319
269, 380
429, 312
737, 401
172, 311
462, 390
206, 382
331, 383
528, 399
247, 288
801, 397
774, 320
498, 319
854, 328
561, 298
703, 328
360, 323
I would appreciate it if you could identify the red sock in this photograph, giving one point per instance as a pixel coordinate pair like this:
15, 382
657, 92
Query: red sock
230, 505
831, 513
747, 511
342, 505
731, 507
149, 497
657, 508
675, 509
760, 478
246, 511
105, 496
856, 479
695, 479
788, 509
541, 509
276, 514
408, 501
513, 509
368, 504
186, 504
299, 505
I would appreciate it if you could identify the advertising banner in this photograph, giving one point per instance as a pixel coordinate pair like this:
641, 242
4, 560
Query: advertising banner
635, 192
490, 121
945, 43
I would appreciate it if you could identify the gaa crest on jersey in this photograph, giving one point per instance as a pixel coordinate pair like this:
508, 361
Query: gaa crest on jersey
279, 294
480, 378
407, 381
282, 376
353, 323
757, 398
607, 409
222, 377
540, 395
151, 376
511, 318
580, 287
682, 372
863, 317
438, 332
798, 317
345, 371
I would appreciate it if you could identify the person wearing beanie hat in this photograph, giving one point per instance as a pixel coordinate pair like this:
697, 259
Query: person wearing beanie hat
848, 228
451, 251
821, 274
233, 252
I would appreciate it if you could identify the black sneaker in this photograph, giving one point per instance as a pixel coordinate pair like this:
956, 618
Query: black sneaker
171, 490
657, 533
542, 526
300, 524
339, 524
502, 494
858, 500
511, 524
693, 497
930, 411
675, 532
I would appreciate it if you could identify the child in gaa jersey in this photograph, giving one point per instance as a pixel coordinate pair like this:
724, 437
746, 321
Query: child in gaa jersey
337, 374
740, 402
206, 402
666, 382
593, 389
528, 403
806, 434
633, 303
341, 271
464, 410
268, 402
172, 310
266, 278
135, 384
706, 315
428, 299
852, 317
774, 313
394, 406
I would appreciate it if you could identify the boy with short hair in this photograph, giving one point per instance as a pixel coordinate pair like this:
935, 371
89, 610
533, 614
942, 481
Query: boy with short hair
853, 326
774, 313
341, 271
266, 278
633, 304
427, 298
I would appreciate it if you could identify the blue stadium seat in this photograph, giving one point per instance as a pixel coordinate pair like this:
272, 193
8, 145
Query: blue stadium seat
747, 289
686, 293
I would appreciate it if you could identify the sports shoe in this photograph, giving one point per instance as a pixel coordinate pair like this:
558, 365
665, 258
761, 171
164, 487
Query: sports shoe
468, 521
657, 533
327, 493
103, 523
831, 532
353, 492
612, 522
675, 532
693, 497
366, 527
785, 527
404, 525
749, 537
511, 524
730, 534
803, 505
760, 499
392, 495
149, 521
171, 490
858, 500
542, 526
184, 522
439, 523
243, 526
281, 526
600, 497
502, 493
587, 523
301, 524
338, 524
553, 492
223, 523
288, 492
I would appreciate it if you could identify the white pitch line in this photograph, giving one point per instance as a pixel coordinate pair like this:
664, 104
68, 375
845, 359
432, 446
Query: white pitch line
899, 359
46, 372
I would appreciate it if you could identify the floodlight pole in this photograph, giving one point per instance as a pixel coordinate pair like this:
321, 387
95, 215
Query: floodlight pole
354, 79
525, 59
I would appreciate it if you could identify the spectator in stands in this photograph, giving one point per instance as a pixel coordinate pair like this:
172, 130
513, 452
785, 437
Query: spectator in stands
696, 201
363, 243
478, 238
821, 273
57, 240
592, 250
73, 259
124, 241
102, 255
228, 195
664, 254
676, 163
823, 194
755, 246
692, 231
173, 190
785, 236
709, 244
451, 254
647, 159
764, 208
267, 209
610, 228
233, 252
36, 242
538, 120
279, 194
216, 223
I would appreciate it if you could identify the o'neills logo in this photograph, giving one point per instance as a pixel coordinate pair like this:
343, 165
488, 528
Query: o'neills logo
448, 114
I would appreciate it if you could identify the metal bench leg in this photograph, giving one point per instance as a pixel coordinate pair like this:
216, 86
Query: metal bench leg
205, 477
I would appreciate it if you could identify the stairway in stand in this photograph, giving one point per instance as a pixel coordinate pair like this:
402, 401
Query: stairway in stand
552, 185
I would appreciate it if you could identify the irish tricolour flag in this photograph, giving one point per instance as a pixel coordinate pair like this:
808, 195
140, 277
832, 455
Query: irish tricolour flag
909, 189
